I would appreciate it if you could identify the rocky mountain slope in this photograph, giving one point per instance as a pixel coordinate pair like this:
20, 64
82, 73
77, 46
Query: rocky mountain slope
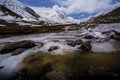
113, 16
17, 7
13, 11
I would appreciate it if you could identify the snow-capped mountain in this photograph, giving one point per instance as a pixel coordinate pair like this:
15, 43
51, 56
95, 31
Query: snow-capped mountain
53, 15
11, 9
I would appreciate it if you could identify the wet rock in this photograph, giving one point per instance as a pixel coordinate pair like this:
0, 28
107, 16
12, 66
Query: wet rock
57, 75
86, 46
18, 51
53, 48
89, 37
16, 45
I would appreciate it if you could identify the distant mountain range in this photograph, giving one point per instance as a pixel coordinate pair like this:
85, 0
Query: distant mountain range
13, 11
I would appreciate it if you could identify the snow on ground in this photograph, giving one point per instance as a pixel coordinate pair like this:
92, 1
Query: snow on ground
59, 40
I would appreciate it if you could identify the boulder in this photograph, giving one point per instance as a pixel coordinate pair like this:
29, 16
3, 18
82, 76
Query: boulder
86, 46
52, 48
57, 75
10, 47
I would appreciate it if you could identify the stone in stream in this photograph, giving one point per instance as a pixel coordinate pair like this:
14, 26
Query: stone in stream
10, 47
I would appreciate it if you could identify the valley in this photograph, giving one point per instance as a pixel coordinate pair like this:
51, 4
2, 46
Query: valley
44, 44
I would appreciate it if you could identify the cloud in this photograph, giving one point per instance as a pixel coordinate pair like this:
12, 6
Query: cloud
58, 9
81, 6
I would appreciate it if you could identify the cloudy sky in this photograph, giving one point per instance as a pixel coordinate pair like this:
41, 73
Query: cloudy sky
75, 8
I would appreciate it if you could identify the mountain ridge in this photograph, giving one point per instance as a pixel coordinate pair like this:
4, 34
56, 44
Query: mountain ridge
112, 16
